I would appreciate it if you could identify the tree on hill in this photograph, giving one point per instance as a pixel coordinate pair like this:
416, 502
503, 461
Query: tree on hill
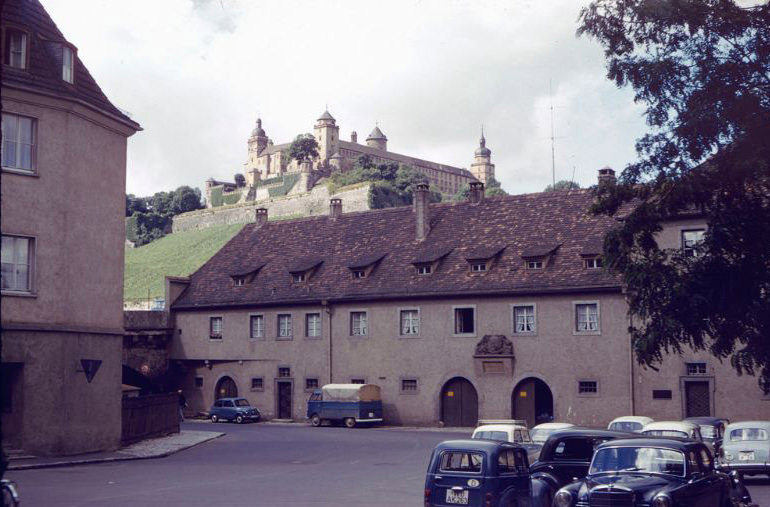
562, 185
491, 189
149, 222
702, 69
240, 180
303, 148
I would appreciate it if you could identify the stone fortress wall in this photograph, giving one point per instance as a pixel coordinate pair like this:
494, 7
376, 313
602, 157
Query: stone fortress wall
314, 202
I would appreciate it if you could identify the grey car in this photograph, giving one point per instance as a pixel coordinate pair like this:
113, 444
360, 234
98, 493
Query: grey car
746, 447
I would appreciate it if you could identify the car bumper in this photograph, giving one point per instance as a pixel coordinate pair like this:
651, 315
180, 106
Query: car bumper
749, 468
369, 420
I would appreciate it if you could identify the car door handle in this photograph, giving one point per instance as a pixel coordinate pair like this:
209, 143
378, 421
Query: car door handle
439, 477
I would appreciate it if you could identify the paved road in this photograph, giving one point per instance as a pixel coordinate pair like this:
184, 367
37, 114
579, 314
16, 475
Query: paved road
260, 465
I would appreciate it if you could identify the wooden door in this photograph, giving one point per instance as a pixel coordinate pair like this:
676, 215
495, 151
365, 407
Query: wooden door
532, 401
226, 388
697, 399
459, 403
284, 400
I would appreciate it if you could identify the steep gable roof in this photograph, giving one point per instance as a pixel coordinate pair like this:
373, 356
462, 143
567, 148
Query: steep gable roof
44, 74
512, 222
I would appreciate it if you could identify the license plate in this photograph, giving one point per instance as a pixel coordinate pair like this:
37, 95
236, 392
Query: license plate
746, 456
457, 497
371, 414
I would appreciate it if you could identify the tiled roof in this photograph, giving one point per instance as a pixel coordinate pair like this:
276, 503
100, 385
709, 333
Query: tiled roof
510, 222
44, 74
376, 134
396, 157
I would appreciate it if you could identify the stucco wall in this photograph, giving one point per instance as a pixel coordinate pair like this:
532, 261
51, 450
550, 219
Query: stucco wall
315, 202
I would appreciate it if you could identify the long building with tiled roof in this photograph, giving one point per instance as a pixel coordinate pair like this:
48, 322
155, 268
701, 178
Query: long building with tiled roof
493, 308
267, 160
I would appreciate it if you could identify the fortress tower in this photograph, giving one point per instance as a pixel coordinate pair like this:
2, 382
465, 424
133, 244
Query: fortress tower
327, 133
377, 139
482, 167
257, 144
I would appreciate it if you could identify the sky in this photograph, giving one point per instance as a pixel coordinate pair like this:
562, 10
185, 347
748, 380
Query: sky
196, 74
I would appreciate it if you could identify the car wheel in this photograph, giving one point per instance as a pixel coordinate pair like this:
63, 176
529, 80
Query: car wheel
350, 422
214, 419
315, 420
239, 419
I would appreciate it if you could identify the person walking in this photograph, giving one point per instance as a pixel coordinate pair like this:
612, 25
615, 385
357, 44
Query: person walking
182, 405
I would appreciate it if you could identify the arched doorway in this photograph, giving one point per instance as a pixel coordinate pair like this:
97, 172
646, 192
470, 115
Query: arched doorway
459, 403
226, 388
532, 401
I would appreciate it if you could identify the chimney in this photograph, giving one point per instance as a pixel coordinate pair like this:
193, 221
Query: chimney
335, 208
476, 193
354, 137
421, 211
261, 217
606, 177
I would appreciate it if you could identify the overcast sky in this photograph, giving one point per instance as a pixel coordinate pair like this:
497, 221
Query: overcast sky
197, 73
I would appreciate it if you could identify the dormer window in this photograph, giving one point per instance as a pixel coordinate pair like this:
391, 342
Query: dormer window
298, 277
478, 267
15, 48
593, 263
68, 64
239, 281
424, 269
303, 269
538, 256
363, 267
535, 264
359, 273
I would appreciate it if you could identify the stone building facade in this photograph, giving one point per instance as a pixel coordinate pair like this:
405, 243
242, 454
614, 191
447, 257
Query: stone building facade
491, 308
267, 160
63, 164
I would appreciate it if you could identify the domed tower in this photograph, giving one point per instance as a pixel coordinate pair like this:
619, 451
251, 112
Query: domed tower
257, 144
377, 139
482, 167
327, 134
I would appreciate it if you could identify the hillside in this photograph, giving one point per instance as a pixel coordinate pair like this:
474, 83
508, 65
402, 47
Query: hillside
178, 254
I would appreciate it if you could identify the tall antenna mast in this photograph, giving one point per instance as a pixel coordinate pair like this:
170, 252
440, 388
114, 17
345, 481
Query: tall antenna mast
553, 142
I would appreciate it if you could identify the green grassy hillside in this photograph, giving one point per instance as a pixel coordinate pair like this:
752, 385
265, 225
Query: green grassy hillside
178, 254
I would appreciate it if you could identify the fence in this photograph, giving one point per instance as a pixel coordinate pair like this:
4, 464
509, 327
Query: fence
149, 416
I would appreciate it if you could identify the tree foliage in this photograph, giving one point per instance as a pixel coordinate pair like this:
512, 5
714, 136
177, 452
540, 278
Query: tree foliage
562, 186
154, 214
304, 147
491, 189
702, 70
240, 180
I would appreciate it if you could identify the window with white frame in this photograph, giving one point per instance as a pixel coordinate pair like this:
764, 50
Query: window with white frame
17, 255
68, 64
284, 325
587, 317
465, 320
257, 383
358, 324
284, 371
410, 322
239, 281
311, 383
215, 328
256, 326
696, 368
298, 277
524, 319
18, 142
691, 240
534, 264
15, 46
359, 273
424, 269
312, 325
593, 262
478, 266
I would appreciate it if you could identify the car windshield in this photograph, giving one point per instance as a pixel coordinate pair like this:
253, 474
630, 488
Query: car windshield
638, 459
741, 434
666, 433
708, 431
491, 435
241, 403
628, 426
461, 461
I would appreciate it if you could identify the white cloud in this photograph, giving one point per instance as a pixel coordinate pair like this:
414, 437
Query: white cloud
195, 74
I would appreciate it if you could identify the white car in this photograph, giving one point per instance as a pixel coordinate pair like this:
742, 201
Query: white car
680, 429
629, 423
541, 432
508, 430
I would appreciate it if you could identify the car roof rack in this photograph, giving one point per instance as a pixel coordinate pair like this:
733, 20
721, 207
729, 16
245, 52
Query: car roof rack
518, 422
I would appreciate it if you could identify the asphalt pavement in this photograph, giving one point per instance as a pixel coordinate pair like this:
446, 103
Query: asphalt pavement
260, 465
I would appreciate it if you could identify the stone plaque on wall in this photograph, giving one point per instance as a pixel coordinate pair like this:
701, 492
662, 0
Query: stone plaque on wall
494, 356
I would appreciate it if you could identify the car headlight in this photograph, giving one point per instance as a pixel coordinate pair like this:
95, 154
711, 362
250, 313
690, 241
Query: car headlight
661, 500
563, 499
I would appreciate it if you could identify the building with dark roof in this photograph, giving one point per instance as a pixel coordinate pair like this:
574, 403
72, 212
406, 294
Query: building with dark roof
63, 201
491, 308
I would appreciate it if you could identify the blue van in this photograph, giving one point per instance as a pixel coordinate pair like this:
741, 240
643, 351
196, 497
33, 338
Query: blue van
350, 404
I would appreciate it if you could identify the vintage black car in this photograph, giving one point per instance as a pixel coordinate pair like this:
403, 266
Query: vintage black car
567, 455
659, 472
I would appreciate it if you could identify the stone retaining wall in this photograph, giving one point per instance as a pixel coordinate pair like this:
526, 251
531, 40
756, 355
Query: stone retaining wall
315, 202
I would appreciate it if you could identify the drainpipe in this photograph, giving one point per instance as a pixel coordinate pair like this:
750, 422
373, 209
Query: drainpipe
329, 313
631, 370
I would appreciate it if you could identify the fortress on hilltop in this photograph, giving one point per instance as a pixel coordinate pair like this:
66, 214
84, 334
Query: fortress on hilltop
271, 172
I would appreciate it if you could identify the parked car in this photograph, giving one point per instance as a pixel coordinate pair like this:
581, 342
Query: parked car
480, 473
233, 409
541, 432
629, 423
566, 456
712, 430
658, 472
508, 430
350, 404
746, 447
678, 429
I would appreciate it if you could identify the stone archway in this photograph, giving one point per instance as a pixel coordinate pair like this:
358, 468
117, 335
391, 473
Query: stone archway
532, 401
459, 403
226, 388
